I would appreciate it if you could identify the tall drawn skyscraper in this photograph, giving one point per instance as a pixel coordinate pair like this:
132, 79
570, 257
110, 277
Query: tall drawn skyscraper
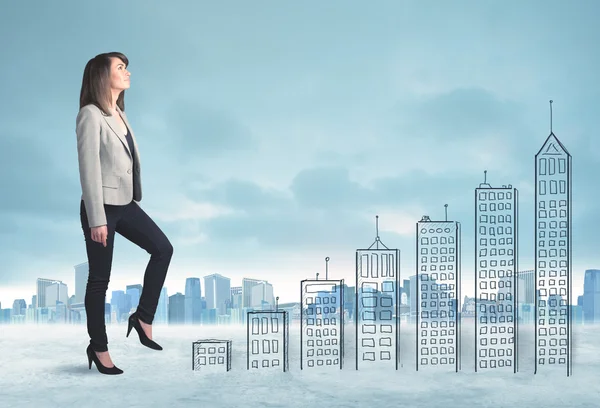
377, 317
553, 254
437, 293
322, 322
496, 283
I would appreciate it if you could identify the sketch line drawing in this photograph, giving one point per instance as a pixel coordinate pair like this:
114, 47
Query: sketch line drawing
268, 338
496, 280
210, 353
553, 250
322, 322
438, 253
377, 317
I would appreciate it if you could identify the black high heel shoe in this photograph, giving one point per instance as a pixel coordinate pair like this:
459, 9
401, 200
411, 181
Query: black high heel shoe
114, 370
135, 323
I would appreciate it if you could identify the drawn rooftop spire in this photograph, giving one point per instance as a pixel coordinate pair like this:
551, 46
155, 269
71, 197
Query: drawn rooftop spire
551, 116
552, 146
446, 210
326, 268
377, 239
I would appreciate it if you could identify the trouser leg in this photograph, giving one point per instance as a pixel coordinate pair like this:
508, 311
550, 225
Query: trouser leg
100, 264
139, 228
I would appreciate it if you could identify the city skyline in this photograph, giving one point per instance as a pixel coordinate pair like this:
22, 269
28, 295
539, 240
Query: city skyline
288, 155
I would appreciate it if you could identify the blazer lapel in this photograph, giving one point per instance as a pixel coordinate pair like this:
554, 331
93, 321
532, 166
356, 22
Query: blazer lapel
114, 125
135, 146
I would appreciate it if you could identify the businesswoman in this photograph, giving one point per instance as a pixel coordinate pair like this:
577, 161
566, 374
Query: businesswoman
109, 170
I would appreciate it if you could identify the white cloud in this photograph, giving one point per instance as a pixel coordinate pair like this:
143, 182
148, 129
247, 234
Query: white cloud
184, 209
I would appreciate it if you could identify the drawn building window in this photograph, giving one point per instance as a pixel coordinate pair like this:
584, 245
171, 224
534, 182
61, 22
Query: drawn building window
542, 187
552, 186
563, 186
552, 168
255, 325
543, 165
562, 166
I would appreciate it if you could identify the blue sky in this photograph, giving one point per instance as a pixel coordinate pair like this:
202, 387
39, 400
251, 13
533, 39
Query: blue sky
271, 133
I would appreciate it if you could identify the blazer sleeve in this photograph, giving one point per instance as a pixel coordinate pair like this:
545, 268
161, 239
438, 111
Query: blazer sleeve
90, 175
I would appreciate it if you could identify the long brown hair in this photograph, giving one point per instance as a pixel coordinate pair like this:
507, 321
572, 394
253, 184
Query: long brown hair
95, 87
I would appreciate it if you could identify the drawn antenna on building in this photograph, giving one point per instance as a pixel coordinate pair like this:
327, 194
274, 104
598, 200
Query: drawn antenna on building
377, 239
446, 210
277, 303
551, 115
485, 183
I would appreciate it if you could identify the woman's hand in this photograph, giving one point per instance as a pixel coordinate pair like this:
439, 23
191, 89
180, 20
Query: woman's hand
99, 234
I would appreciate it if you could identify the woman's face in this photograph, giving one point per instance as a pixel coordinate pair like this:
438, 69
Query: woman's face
119, 76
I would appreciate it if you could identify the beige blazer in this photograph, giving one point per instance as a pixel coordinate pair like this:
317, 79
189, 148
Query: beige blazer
105, 163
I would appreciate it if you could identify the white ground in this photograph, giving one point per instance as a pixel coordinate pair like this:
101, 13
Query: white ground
46, 366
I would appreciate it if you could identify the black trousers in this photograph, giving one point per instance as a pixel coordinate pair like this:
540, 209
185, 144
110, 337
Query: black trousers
133, 223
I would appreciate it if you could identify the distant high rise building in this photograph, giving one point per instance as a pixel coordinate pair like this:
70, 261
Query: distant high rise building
236, 297
193, 301
591, 296
41, 285
135, 291
247, 285
162, 311
56, 292
526, 287
19, 307
177, 309
438, 292
496, 212
121, 303
553, 255
262, 296
81, 277
217, 292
